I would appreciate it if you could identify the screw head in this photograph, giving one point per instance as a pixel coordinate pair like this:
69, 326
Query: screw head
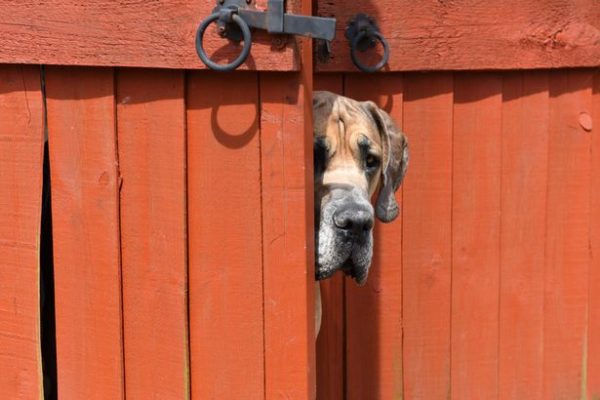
279, 42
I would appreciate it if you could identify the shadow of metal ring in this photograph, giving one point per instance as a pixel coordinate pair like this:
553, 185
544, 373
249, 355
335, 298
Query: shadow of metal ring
229, 140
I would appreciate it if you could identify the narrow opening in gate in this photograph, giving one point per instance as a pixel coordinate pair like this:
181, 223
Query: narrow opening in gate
47, 314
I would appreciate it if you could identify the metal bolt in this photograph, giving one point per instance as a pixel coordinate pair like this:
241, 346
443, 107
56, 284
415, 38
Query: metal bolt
221, 30
221, 2
278, 43
248, 2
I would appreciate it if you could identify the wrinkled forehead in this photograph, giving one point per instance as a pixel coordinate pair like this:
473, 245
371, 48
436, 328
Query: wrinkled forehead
347, 126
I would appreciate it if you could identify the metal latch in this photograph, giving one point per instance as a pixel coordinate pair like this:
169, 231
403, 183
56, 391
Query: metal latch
234, 18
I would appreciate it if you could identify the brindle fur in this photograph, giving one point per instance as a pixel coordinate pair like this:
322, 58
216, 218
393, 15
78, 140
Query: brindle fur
346, 133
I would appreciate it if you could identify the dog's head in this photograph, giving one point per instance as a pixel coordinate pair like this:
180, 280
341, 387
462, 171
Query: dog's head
358, 150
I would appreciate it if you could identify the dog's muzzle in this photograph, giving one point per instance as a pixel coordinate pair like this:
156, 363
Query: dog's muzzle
345, 235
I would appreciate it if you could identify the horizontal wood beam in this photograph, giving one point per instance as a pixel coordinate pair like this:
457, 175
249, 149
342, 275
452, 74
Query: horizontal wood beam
423, 35
473, 34
133, 33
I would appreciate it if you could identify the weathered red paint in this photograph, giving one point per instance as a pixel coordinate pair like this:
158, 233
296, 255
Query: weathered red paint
472, 35
21, 160
171, 183
159, 34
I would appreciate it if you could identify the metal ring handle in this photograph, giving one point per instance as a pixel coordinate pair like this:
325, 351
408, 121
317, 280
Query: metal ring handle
386, 52
245, 50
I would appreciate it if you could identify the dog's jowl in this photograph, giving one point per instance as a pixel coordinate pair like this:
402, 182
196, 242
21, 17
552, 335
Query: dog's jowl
358, 152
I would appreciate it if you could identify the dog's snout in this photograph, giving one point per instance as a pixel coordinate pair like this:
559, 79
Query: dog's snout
354, 219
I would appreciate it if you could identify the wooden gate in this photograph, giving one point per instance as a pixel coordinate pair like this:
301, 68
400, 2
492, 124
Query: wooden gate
181, 214
489, 286
181, 205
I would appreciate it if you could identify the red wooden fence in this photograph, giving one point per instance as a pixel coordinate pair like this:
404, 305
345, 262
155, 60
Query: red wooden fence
182, 206
182, 233
21, 157
487, 287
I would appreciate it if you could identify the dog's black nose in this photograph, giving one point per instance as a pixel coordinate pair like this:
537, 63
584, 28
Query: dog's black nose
353, 219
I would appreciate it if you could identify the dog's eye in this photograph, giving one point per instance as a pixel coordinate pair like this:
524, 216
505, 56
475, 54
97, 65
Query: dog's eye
371, 162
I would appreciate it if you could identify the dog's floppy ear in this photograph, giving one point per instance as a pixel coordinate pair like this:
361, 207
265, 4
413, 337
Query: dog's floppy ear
394, 163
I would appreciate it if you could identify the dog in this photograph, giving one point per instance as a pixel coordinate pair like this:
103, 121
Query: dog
358, 151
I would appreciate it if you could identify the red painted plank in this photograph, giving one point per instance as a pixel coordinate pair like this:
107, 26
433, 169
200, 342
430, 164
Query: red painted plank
475, 236
288, 227
288, 237
593, 356
224, 223
21, 158
523, 222
374, 312
85, 208
473, 34
427, 229
567, 236
331, 82
331, 339
127, 33
151, 135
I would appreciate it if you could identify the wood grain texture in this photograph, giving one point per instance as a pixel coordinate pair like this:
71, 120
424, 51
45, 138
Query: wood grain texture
567, 236
127, 33
288, 235
288, 227
374, 311
475, 235
593, 337
331, 339
152, 157
21, 159
471, 34
224, 223
524, 317
523, 222
426, 236
85, 212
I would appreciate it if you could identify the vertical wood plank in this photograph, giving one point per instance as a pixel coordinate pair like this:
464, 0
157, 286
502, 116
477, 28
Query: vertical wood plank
331, 339
224, 224
85, 207
288, 227
21, 160
523, 222
567, 236
426, 236
593, 356
151, 135
288, 237
475, 235
374, 312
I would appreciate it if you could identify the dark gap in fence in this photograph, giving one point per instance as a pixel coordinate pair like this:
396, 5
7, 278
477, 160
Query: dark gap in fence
47, 317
